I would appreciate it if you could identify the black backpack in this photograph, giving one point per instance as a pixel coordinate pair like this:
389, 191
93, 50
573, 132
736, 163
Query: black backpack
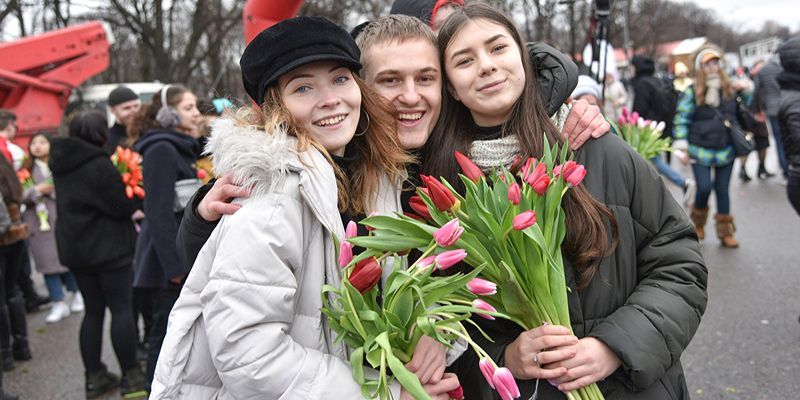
668, 100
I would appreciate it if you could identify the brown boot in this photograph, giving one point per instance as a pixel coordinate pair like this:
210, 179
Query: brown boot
725, 230
699, 218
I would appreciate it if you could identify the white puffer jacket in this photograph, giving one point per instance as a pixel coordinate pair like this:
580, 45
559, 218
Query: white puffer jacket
248, 324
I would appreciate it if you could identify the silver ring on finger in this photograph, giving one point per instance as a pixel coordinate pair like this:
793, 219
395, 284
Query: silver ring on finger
536, 359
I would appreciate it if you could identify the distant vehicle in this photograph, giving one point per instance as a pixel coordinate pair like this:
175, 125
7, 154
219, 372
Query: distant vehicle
94, 97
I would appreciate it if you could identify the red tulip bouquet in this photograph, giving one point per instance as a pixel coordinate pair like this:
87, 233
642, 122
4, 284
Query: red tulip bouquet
513, 229
129, 165
382, 323
643, 135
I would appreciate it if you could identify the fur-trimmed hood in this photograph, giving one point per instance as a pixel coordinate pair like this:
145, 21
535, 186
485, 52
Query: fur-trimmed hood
261, 161
252, 157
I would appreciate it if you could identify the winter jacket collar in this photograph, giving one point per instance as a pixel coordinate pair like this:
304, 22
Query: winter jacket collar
186, 145
69, 153
261, 161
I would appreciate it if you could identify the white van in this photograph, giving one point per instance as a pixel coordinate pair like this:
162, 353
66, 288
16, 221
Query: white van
96, 96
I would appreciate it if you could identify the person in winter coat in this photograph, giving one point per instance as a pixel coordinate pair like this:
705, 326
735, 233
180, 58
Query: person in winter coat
634, 307
95, 239
165, 134
789, 115
123, 103
768, 99
40, 215
320, 149
700, 126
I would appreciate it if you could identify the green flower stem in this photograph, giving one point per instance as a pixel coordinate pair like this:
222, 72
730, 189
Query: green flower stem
481, 353
356, 320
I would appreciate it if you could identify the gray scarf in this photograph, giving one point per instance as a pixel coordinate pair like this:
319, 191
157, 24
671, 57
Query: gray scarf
713, 86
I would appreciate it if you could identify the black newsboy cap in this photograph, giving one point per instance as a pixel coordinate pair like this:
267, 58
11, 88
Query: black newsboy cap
290, 44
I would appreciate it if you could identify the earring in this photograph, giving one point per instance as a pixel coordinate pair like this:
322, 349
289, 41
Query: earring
363, 131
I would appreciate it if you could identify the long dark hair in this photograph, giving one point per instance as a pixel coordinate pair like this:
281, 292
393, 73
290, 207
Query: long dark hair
29, 161
587, 241
89, 126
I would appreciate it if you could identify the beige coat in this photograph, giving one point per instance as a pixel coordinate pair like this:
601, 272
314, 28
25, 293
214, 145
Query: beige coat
248, 324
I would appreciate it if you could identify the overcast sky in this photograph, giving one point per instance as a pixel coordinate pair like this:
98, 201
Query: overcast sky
751, 14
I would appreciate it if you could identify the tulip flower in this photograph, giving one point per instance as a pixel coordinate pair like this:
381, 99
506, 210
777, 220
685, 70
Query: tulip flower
345, 253
541, 184
634, 117
138, 191
576, 177
505, 384
524, 220
660, 126
531, 176
441, 196
457, 393
351, 231
487, 369
565, 169
482, 287
416, 204
470, 170
482, 305
448, 234
365, 275
426, 262
449, 258
514, 194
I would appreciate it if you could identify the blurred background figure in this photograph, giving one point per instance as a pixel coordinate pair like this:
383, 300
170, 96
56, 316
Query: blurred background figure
768, 97
616, 97
40, 215
588, 89
95, 238
789, 115
123, 103
165, 134
682, 79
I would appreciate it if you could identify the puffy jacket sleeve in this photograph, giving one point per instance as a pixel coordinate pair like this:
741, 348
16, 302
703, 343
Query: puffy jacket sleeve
789, 117
160, 173
193, 231
651, 330
249, 308
684, 114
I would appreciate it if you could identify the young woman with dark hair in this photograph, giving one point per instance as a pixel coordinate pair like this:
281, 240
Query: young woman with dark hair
165, 134
637, 279
95, 238
40, 215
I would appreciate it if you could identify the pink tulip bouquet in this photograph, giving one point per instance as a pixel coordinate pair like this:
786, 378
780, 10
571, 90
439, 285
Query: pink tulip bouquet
513, 226
381, 321
642, 134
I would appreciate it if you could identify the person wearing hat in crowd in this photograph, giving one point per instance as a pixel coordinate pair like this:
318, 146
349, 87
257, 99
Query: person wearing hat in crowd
320, 148
587, 89
123, 103
700, 129
789, 115
682, 79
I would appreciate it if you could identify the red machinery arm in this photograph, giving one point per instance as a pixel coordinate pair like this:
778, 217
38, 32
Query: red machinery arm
38, 73
261, 14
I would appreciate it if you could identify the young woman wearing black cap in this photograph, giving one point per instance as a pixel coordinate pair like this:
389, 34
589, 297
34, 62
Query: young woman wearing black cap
248, 321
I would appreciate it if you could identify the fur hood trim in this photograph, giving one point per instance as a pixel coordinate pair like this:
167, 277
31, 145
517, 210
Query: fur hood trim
253, 158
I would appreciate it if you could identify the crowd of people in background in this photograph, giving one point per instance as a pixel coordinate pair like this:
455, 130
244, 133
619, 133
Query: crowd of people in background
64, 209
